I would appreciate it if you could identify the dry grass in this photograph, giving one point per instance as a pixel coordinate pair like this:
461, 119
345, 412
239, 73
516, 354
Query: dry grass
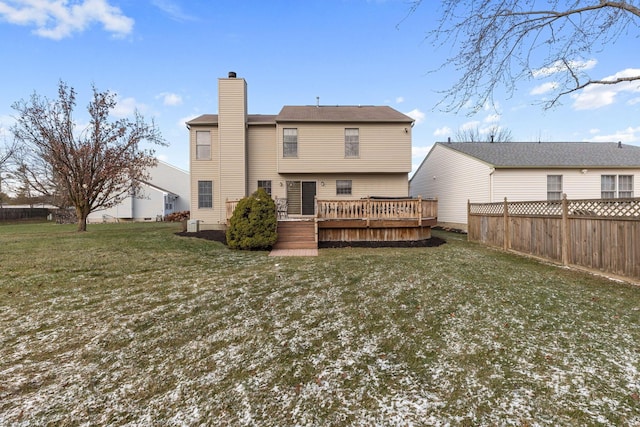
132, 325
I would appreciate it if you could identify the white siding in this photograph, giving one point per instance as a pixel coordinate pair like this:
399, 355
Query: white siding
453, 178
166, 178
531, 184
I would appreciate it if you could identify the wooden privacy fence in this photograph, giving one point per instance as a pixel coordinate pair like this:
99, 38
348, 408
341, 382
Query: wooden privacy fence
599, 234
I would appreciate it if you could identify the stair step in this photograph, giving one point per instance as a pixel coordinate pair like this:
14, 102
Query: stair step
296, 235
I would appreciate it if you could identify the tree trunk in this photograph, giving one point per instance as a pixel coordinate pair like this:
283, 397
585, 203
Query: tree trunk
82, 215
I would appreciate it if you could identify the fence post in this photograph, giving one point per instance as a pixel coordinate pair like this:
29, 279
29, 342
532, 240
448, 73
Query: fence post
505, 216
564, 238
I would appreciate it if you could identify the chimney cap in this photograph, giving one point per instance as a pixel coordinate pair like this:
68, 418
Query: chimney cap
232, 74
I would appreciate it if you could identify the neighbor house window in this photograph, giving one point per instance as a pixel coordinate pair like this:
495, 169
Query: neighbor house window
266, 185
290, 143
625, 186
343, 186
554, 187
351, 143
607, 186
612, 186
203, 145
205, 194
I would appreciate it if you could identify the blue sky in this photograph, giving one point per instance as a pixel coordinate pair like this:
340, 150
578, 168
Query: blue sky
164, 57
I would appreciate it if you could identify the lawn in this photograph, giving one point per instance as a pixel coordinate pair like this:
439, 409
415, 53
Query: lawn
129, 324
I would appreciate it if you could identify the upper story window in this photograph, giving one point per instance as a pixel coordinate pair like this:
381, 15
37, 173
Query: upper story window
203, 145
266, 185
554, 187
290, 142
205, 194
343, 187
612, 186
351, 142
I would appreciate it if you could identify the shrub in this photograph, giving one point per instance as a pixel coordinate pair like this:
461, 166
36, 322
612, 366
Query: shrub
253, 223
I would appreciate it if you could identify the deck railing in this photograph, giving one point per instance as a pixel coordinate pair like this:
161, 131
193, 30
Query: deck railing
377, 209
368, 208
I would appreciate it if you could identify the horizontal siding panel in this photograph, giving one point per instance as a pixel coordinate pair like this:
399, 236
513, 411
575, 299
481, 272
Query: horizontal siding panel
383, 148
453, 178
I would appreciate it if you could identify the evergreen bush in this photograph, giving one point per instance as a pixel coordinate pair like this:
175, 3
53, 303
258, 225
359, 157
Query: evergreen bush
253, 223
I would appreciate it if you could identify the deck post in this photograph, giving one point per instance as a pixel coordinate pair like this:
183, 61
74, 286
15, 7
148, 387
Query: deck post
420, 211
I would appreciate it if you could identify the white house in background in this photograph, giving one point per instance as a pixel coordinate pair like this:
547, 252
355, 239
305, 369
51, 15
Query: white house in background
166, 191
488, 172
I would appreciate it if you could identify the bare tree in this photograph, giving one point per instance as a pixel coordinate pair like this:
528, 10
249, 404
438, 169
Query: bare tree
7, 154
503, 41
492, 134
93, 169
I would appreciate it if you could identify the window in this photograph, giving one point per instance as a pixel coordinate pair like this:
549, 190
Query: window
608, 186
351, 143
290, 143
203, 145
609, 189
554, 187
205, 194
266, 185
343, 186
625, 186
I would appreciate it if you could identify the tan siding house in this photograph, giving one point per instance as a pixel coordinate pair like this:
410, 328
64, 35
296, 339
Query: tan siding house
302, 153
488, 172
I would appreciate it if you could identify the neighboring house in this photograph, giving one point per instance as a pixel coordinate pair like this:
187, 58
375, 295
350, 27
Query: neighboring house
166, 191
302, 153
488, 172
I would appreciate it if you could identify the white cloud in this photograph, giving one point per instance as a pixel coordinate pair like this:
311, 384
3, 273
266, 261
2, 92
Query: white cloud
170, 99
416, 115
420, 151
492, 118
399, 100
56, 19
544, 88
597, 95
559, 66
629, 135
443, 131
173, 9
474, 124
125, 107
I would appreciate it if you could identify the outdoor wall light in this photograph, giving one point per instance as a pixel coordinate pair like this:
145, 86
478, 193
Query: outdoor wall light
322, 183
584, 171
281, 184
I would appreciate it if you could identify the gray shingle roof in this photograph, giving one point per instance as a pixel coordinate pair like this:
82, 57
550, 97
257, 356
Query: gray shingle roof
322, 113
551, 154
341, 113
252, 119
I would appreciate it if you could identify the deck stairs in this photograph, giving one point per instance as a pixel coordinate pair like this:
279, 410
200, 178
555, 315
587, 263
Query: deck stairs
296, 235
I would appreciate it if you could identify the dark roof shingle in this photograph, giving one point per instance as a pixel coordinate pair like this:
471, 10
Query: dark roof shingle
341, 113
252, 119
551, 154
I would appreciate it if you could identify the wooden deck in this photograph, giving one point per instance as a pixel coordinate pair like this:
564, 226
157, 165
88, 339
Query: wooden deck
375, 219
370, 219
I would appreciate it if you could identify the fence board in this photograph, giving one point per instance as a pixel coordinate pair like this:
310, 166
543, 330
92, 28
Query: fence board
599, 234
